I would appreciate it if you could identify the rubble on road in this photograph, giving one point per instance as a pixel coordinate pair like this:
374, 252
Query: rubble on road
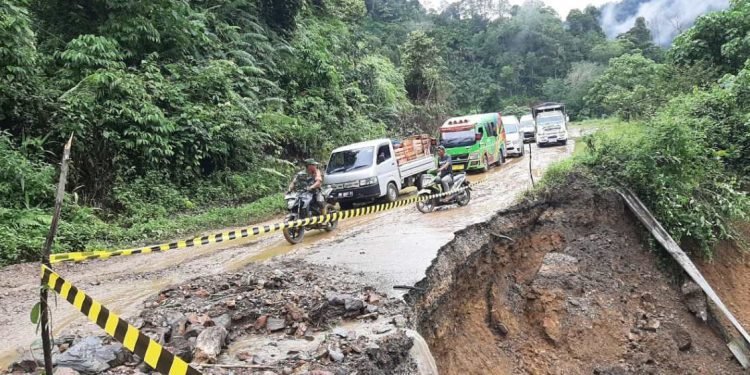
271, 318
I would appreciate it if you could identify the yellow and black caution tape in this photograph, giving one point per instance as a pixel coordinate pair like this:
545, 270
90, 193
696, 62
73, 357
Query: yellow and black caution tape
152, 353
249, 231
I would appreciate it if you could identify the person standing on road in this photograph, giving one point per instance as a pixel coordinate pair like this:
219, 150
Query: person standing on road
445, 169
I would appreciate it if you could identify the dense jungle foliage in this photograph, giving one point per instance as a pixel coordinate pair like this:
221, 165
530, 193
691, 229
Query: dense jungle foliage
189, 115
687, 151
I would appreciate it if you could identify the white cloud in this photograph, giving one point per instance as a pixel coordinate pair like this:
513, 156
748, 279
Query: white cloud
666, 18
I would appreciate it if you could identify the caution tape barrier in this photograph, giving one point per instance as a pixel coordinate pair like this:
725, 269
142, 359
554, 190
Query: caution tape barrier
250, 231
133, 340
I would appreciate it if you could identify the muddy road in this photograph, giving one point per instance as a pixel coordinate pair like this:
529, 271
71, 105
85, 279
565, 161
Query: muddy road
391, 248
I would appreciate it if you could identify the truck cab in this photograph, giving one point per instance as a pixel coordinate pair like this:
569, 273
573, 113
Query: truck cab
551, 123
474, 142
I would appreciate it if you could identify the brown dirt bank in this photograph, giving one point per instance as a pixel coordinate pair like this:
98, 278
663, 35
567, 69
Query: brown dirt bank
574, 292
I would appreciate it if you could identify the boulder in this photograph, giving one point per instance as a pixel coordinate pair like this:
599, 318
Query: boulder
209, 343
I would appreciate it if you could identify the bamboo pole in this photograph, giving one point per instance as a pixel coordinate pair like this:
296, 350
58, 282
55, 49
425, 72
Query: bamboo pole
44, 310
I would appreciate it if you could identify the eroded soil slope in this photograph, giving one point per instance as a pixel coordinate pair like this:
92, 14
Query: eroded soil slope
570, 290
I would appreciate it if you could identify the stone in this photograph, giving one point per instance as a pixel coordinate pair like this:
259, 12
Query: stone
209, 343
399, 321
335, 354
223, 320
92, 355
695, 300
201, 293
65, 371
260, 323
294, 313
353, 304
287, 371
382, 329
652, 325
552, 329
682, 338
373, 298
558, 264
181, 347
370, 309
275, 324
340, 332
336, 298
244, 356
301, 330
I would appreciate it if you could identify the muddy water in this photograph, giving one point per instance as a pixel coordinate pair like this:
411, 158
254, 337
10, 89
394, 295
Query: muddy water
389, 248
396, 249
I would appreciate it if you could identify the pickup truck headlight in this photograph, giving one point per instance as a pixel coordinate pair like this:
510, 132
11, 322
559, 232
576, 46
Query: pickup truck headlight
368, 181
474, 156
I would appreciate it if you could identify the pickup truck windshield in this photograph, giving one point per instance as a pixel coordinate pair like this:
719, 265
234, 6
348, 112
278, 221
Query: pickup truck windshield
511, 128
458, 139
345, 161
549, 120
526, 124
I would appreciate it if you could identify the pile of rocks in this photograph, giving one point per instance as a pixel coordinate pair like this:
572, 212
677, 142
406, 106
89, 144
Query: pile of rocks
272, 318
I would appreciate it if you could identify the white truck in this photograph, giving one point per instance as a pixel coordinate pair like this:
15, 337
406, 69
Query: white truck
366, 171
551, 123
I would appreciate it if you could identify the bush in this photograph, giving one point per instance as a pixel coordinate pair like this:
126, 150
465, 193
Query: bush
671, 166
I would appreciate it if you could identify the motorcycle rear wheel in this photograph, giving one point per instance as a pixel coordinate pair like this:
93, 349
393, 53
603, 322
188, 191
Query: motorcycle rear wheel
294, 235
426, 206
464, 197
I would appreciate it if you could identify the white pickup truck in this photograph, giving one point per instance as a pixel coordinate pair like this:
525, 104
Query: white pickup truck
366, 171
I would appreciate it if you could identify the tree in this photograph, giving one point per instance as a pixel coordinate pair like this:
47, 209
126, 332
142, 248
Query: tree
716, 40
641, 39
632, 87
423, 67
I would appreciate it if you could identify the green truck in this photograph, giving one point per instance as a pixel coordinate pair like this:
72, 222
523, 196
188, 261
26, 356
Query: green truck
474, 142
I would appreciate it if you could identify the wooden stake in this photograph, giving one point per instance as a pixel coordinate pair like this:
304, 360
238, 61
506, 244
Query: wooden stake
44, 310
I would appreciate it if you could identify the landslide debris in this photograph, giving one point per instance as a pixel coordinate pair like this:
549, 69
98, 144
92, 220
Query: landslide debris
271, 318
563, 285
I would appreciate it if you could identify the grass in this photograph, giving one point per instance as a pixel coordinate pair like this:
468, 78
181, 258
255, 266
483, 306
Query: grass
612, 126
188, 225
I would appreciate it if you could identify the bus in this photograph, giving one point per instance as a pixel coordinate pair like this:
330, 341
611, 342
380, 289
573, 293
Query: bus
474, 142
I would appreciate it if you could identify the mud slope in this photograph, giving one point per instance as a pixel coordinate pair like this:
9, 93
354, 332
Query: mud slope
575, 292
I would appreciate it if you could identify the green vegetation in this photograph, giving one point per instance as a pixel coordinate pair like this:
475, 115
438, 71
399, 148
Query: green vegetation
187, 113
688, 158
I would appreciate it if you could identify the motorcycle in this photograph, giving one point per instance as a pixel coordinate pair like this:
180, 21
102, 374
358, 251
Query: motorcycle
431, 185
300, 206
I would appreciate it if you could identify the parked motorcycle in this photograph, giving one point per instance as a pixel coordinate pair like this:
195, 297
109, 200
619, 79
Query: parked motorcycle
431, 185
301, 206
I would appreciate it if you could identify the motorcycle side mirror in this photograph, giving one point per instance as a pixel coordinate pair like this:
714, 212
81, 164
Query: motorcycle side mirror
433, 141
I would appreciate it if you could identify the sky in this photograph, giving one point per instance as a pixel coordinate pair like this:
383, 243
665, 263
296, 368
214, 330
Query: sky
561, 6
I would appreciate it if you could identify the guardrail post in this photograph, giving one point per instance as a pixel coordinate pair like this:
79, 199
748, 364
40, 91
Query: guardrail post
44, 310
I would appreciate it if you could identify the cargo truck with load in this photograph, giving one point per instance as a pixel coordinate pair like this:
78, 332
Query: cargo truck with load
366, 171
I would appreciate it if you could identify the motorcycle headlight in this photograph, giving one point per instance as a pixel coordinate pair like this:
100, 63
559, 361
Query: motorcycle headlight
368, 181
290, 203
474, 156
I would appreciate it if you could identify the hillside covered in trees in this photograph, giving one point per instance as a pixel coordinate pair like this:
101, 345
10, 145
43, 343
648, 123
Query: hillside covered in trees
203, 106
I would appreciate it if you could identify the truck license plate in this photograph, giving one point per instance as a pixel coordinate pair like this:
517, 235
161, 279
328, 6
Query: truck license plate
458, 167
346, 194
